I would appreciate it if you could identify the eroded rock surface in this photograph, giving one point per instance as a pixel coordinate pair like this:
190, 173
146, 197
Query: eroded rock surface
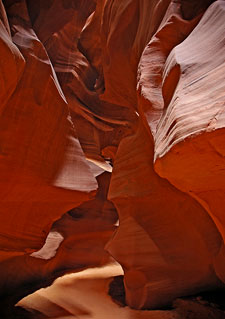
133, 88
171, 227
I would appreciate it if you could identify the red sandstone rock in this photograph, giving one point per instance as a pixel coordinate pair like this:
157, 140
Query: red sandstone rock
147, 76
43, 169
98, 124
192, 128
149, 207
163, 240
131, 21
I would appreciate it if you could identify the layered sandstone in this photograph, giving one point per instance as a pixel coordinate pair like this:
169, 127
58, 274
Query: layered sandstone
175, 255
192, 127
137, 88
43, 169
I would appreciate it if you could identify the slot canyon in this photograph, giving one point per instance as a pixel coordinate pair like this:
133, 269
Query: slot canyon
112, 159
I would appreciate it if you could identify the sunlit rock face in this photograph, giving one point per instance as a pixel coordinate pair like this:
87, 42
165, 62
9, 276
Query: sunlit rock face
191, 131
170, 240
137, 85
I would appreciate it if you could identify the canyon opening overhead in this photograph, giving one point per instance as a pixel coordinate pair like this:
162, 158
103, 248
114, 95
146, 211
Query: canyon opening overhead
112, 159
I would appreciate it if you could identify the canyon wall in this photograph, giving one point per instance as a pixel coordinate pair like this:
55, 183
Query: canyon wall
112, 109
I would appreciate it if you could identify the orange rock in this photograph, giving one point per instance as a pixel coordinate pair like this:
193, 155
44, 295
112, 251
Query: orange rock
43, 169
134, 84
192, 128
165, 229
155, 92
163, 241
97, 123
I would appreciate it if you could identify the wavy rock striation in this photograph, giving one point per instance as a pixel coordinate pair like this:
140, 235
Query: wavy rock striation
133, 88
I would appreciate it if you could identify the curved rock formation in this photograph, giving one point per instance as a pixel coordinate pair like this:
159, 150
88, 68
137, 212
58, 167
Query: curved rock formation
164, 228
132, 87
43, 169
192, 127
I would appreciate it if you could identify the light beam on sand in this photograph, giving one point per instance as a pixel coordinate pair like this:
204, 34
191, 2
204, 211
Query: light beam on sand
84, 295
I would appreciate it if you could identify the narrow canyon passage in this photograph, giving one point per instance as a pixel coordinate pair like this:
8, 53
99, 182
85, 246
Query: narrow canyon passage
112, 159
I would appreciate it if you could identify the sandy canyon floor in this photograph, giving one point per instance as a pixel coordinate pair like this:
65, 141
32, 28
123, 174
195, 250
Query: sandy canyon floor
84, 295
